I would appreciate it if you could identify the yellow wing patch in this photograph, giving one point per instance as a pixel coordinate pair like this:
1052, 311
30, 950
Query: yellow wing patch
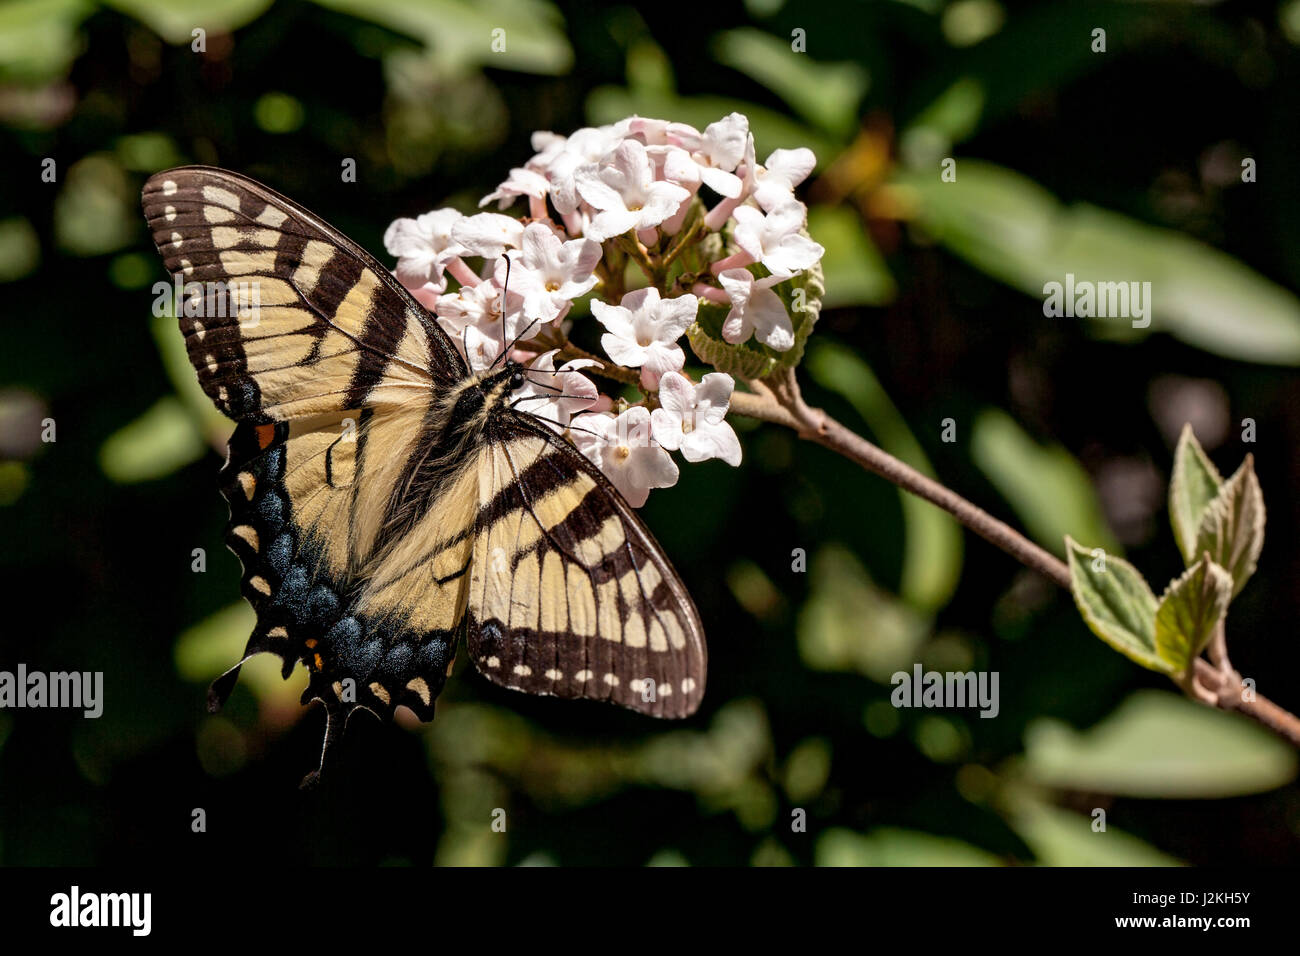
285, 318
422, 578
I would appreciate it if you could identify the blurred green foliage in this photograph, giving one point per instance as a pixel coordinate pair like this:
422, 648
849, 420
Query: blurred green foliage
1123, 165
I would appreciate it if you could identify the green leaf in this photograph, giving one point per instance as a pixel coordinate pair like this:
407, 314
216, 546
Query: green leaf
1190, 609
1193, 485
20, 248
1014, 230
1060, 837
1116, 603
894, 846
932, 544
998, 220
848, 623
38, 38
1159, 744
807, 769
954, 116
1050, 491
97, 209
460, 32
147, 152
207, 648
1232, 527
174, 20
648, 67
854, 270
160, 441
825, 94
14, 479
1199, 294
748, 360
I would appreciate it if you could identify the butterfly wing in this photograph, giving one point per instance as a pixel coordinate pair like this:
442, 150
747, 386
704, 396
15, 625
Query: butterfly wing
295, 320
569, 593
297, 495
332, 371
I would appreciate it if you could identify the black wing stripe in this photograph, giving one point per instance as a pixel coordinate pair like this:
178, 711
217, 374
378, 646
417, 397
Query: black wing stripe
647, 633
191, 204
598, 655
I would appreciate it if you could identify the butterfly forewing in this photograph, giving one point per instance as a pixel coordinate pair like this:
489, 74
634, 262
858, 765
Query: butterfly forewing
284, 317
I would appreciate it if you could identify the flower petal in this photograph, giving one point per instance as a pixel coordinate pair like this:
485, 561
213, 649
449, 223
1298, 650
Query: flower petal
612, 222
623, 351
593, 188
676, 315
721, 182
617, 319
712, 441
772, 325
734, 327
658, 359
792, 165
676, 394
403, 237
793, 254
652, 467
713, 396
666, 428
488, 234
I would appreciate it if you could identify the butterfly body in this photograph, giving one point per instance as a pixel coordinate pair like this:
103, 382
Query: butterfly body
386, 501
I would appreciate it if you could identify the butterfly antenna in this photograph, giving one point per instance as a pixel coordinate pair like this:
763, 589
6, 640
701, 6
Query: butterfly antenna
505, 287
531, 398
569, 427
550, 388
521, 334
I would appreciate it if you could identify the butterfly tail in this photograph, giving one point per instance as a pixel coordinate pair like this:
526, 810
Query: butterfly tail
219, 690
335, 721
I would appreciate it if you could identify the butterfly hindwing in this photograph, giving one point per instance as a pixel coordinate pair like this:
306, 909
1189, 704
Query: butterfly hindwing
570, 595
358, 655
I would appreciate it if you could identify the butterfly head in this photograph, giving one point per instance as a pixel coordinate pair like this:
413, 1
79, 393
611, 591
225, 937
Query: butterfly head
505, 380
496, 386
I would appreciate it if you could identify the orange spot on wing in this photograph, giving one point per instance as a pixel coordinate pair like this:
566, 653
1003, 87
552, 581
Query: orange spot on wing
265, 435
320, 664
310, 642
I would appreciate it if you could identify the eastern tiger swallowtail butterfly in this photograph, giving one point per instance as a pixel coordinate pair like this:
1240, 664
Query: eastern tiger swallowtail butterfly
385, 499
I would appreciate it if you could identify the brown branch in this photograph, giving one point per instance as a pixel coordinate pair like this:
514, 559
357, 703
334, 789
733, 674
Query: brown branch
607, 369
778, 400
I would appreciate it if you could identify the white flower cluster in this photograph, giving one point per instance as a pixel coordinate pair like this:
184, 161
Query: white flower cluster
601, 192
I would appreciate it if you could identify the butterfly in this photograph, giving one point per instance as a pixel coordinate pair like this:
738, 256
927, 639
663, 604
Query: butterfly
387, 501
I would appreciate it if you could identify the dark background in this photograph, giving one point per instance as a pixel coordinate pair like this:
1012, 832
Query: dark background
1062, 425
